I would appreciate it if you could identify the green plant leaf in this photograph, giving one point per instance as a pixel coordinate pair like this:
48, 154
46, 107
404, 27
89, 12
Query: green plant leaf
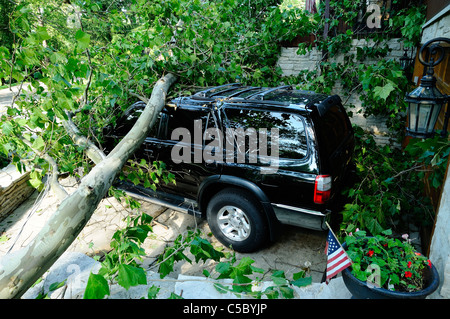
129, 276
42, 33
153, 292
57, 285
287, 292
96, 288
302, 282
83, 39
383, 91
38, 144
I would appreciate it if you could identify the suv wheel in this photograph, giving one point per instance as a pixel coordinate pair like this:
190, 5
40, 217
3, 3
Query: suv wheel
236, 220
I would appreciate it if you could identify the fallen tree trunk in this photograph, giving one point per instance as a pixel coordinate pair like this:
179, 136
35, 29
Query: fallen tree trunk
20, 269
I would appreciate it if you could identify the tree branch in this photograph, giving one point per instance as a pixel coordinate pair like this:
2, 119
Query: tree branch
140, 97
20, 269
92, 151
56, 187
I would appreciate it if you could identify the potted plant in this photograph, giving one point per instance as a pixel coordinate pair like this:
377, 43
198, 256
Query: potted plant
386, 267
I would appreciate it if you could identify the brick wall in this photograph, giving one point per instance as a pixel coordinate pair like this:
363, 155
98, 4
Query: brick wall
14, 189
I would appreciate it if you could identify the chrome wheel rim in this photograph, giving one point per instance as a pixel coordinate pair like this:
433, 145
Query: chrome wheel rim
233, 223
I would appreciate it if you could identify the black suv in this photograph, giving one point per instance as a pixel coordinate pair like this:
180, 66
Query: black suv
248, 159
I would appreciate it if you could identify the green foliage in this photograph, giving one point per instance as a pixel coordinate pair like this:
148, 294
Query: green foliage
148, 176
4, 161
122, 266
388, 187
121, 263
54, 286
67, 61
381, 86
6, 36
409, 21
434, 154
397, 265
200, 248
97, 287
244, 284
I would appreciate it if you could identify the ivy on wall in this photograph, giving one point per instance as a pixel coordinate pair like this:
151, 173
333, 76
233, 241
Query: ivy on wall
381, 85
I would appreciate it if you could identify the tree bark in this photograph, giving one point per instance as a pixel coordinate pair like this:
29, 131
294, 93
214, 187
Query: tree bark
20, 269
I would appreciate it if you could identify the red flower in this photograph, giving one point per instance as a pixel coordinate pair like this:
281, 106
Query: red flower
409, 264
370, 253
429, 263
408, 274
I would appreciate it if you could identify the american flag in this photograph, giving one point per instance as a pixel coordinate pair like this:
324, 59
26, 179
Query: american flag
337, 257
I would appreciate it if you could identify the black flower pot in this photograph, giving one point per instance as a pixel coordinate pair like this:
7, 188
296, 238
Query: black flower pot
360, 290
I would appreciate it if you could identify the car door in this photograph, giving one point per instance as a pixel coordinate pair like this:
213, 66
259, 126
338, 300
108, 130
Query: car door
181, 147
286, 176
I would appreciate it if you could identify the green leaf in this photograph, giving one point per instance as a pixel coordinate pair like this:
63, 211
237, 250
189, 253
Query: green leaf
38, 144
203, 250
96, 288
242, 281
279, 281
223, 267
383, 91
83, 39
7, 128
42, 33
287, 292
152, 292
139, 232
57, 285
302, 282
131, 276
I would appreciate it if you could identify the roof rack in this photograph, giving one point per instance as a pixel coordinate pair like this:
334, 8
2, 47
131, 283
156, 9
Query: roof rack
250, 88
210, 92
260, 96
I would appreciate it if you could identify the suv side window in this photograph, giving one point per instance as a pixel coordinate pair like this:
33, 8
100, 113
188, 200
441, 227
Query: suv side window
292, 136
129, 118
192, 120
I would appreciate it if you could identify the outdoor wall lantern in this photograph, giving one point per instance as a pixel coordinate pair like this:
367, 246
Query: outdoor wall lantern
426, 101
405, 60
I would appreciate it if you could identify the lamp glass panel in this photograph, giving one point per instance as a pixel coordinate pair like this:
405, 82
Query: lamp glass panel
434, 117
412, 116
427, 115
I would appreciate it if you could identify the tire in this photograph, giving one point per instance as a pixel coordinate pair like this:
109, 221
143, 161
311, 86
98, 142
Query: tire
237, 221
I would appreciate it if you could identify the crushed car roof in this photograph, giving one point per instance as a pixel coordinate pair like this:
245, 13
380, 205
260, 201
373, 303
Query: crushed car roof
284, 95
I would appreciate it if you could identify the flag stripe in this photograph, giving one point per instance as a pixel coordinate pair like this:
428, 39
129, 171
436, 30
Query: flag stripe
338, 259
332, 268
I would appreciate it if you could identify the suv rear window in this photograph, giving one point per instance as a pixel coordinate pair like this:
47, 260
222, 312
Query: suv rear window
292, 136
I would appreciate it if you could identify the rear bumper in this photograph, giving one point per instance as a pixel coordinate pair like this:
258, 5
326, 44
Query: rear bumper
301, 217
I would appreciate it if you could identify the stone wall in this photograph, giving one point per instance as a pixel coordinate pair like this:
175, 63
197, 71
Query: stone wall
14, 189
440, 244
291, 64
439, 26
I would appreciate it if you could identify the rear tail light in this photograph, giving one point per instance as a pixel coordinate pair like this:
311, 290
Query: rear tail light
322, 189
